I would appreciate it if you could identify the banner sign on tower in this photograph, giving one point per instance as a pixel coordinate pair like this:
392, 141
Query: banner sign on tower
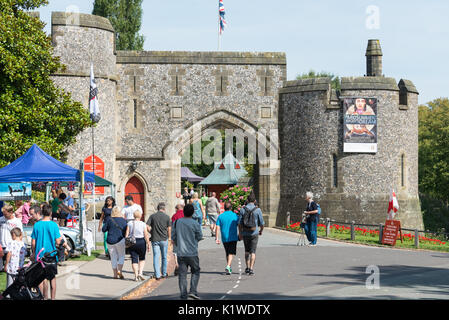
360, 125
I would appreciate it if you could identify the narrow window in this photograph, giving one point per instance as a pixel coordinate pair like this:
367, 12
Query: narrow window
403, 170
221, 83
135, 84
266, 86
135, 113
177, 85
403, 97
335, 171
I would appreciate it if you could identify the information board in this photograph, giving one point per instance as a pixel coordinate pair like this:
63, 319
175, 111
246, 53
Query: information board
391, 231
99, 171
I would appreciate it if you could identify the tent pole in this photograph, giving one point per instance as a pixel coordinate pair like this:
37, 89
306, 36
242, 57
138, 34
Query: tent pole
93, 189
81, 188
47, 192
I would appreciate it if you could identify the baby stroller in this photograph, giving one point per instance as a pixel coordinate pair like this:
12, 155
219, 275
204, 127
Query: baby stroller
302, 235
26, 284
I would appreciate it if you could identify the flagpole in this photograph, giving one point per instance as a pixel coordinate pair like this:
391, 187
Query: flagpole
93, 189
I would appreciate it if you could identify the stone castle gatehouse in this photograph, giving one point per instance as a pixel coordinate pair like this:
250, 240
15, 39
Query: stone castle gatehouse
152, 100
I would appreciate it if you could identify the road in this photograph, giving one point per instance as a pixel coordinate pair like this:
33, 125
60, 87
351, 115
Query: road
331, 270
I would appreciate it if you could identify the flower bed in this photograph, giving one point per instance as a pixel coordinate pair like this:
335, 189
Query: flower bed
371, 236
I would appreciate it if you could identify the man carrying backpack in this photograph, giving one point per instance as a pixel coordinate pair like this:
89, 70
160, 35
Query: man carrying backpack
312, 213
250, 220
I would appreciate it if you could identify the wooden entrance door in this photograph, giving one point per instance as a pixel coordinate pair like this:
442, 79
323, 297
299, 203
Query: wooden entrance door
135, 188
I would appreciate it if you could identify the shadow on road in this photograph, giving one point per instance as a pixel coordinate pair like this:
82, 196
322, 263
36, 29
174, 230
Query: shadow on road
396, 276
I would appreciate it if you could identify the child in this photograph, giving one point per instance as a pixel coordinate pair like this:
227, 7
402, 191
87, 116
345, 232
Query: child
15, 258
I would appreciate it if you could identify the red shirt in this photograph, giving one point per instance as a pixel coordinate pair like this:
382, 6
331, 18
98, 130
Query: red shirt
178, 215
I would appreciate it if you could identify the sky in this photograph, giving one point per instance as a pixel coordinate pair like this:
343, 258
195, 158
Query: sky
323, 35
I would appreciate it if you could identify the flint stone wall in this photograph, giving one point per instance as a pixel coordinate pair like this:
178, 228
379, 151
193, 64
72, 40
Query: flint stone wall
312, 132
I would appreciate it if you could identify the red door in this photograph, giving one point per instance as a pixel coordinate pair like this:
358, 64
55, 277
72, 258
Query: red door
135, 189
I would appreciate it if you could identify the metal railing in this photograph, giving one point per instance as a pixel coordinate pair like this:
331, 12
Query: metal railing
293, 218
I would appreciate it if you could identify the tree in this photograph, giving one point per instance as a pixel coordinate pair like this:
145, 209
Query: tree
32, 108
434, 149
126, 18
335, 84
203, 170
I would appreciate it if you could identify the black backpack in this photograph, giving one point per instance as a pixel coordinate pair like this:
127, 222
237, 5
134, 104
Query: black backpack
249, 219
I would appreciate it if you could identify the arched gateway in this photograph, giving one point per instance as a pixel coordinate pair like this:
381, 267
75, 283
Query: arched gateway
264, 144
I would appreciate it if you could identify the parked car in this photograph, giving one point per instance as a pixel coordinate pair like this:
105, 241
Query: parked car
72, 235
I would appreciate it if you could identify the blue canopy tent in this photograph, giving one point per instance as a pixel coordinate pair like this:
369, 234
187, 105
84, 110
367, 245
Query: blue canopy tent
36, 166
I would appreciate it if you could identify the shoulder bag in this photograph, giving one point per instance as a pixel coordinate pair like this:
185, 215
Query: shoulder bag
131, 240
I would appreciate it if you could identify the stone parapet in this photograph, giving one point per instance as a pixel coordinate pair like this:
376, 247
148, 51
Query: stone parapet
81, 20
189, 57
369, 83
306, 85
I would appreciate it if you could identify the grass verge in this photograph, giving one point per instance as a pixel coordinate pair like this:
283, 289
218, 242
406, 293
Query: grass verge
84, 257
374, 241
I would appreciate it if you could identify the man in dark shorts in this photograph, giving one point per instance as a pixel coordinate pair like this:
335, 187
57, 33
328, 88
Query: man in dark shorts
227, 225
46, 236
250, 237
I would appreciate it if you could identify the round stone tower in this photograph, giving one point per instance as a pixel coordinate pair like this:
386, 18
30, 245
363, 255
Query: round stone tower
351, 182
81, 40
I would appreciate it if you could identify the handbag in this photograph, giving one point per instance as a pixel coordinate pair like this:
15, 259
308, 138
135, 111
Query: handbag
131, 240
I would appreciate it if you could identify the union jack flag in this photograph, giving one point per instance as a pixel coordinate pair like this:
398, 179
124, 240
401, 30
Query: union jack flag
88, 186
221, 11
71, 186
40, 185
55, 186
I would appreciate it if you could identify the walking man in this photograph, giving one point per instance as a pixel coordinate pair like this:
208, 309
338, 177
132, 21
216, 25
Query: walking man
159, 225
227, 226
130, 207
212, 210
251, 225
185, 235
46, 236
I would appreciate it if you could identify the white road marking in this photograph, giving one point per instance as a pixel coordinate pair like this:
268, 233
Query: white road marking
237, 283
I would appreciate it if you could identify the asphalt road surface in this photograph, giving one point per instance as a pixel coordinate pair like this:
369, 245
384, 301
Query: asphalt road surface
331, 270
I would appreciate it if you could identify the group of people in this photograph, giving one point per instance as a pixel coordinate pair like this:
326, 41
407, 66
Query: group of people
206, 208
63, 206
45, 238
124, 230
184, 231
227, 228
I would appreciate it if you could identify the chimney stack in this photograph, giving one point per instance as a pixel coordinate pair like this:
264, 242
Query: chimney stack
374, 59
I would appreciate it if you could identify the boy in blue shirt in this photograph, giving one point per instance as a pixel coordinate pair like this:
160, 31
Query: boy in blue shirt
227, 225
46, 236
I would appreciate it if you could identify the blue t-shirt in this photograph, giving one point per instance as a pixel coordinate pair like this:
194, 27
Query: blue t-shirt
69, 202
45, 233
259, 220
228, 222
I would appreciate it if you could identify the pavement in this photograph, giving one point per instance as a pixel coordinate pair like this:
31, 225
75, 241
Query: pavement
82, 280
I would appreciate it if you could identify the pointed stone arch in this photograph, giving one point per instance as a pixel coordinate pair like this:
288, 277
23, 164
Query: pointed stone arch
267, 169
